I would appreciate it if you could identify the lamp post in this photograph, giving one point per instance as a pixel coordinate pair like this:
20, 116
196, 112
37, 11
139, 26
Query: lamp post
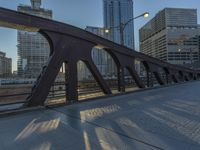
122, 26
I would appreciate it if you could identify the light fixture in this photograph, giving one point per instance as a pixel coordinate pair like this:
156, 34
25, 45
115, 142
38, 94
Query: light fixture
146, 14
107, 30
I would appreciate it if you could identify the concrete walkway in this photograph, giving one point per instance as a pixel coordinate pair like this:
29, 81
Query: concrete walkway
166, 118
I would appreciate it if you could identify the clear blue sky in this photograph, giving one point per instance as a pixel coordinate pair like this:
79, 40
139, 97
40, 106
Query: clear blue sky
81, 13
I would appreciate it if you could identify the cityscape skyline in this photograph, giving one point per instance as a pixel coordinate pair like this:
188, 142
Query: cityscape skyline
8, 41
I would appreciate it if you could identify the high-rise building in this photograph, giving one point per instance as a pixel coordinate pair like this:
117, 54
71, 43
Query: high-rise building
33, 48
172, 36
100, 31
5, 66
116, 12
101, 58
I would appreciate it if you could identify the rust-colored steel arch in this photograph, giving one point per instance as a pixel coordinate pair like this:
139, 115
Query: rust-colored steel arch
70, 44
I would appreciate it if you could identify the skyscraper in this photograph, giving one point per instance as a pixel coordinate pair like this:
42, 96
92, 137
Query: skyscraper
33, 48
101, 58
172, 36
116, 12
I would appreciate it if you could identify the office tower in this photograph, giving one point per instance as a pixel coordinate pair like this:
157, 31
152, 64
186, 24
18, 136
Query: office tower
5, 66
116, 12
33, 48
172, 36
101, 58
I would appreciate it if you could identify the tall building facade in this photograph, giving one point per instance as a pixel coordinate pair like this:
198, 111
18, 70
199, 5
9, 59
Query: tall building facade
172, 36
5, 66
101, 58
116, 12
33, 48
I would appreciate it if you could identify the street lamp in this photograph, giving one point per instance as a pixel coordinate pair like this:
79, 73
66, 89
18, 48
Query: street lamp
122, 26
107, 30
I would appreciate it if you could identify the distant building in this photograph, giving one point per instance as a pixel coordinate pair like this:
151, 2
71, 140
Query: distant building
172, 36
116, 12
98, 31
5, 66
33, 48
101, 58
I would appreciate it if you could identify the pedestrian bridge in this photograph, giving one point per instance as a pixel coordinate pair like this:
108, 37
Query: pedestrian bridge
155, 119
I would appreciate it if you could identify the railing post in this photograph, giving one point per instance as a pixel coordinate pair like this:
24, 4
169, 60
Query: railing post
151, 79
96, 74
136, 77
148, 80
167, 77
158, 77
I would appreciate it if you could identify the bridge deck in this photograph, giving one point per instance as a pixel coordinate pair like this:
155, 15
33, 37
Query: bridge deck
165, 118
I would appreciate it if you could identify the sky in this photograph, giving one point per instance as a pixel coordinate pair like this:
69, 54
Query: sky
82, 13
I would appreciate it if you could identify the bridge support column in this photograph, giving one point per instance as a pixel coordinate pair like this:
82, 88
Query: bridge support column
151, 79
150, 82
96, 74
167, 78
72, 82
136, 77
121, 82
148, 79
159, 78
174, 78
44, 83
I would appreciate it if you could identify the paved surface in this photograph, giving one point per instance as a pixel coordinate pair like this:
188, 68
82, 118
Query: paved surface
165, 118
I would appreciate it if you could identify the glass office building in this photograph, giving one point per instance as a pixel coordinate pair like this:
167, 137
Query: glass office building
116, 12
